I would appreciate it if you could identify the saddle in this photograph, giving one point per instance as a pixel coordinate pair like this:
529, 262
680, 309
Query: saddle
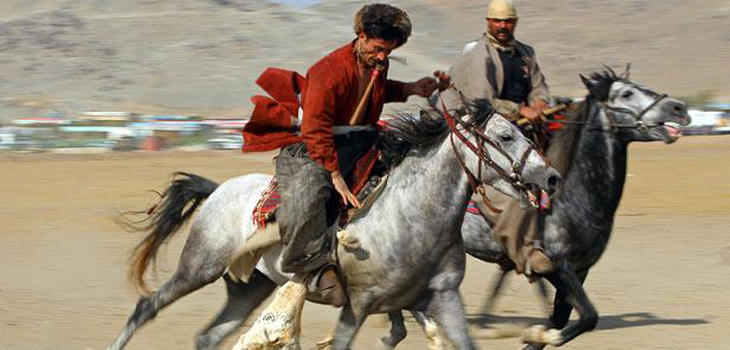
363, 180
366, 181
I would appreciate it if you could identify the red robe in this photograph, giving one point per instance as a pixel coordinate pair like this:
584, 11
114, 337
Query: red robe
329, 96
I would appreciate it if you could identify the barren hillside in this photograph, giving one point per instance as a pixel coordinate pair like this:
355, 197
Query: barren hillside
202, 56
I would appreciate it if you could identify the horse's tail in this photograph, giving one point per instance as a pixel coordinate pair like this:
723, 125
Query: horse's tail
186, 192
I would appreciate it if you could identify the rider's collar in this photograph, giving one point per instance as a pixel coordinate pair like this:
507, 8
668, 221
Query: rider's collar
508, 47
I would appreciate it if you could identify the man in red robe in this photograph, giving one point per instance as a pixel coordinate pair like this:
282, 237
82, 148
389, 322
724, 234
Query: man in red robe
342, 97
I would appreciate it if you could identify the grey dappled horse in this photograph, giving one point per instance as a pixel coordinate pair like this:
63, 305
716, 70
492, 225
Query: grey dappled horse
410, 256
616, 112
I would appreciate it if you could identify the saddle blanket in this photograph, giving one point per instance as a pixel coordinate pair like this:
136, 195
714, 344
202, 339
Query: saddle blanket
473, 209
270, 200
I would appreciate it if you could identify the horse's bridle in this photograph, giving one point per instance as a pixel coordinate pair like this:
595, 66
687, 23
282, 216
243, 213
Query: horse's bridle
639, 125
513, 177
611, 111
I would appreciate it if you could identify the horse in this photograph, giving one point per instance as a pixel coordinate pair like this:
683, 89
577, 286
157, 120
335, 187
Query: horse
615, 113
410, 255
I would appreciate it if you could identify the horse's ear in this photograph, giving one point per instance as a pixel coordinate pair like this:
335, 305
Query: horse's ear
587, 82
593, 86
626, 74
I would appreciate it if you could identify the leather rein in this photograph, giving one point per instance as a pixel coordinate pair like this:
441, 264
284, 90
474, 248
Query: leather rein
611, 111
513, 177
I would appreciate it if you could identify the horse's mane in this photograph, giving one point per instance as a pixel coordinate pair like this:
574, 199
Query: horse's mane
565, 143
407, 131
601, 82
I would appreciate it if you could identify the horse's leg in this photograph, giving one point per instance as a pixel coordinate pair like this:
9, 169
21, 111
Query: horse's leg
243, 298
347, 327
543, 292
495, 290
562, 308
570, 294
191, 274
447, 309
436, 340
558, 319
397, 330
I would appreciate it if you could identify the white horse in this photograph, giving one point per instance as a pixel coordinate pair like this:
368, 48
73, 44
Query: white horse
410, 254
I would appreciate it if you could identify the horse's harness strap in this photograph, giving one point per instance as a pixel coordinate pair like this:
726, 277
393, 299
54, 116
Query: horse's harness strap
488, 202
474, 180
480, 150
639, 123
483, 156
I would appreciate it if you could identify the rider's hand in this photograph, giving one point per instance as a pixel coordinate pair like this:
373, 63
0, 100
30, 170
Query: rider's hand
343, 190
444, 80
540, 105
423, 87
533, 114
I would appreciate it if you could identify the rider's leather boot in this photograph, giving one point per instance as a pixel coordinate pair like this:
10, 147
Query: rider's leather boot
330, 285
326, 284
537, 262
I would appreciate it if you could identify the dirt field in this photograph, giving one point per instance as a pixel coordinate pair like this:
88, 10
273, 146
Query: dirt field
663, 283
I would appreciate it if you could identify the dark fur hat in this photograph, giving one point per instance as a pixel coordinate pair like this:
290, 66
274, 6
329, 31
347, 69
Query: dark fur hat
383, 21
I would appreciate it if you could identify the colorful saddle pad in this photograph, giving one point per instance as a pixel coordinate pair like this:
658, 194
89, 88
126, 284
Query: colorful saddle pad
473, 209
270, 200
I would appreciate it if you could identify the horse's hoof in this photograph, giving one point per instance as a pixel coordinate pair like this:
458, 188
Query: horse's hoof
325, 344
383, 344
538, 334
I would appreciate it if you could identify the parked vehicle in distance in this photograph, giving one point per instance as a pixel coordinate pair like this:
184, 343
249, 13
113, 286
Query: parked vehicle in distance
226, 142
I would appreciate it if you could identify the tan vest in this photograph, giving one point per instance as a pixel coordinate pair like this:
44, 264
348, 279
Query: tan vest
478, 73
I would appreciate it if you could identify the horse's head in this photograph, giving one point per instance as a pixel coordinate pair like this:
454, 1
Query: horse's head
636, 112
504, 158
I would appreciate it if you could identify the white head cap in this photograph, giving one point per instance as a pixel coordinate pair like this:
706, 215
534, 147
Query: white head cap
502, 9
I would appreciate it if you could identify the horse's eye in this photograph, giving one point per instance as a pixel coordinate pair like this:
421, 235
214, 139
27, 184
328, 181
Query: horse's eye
506, 137
627, 94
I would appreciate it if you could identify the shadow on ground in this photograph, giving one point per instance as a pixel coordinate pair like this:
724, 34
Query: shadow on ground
628, 320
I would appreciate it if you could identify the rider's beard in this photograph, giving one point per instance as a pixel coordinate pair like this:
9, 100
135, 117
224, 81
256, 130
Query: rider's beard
362, 56
503, 45
506, 32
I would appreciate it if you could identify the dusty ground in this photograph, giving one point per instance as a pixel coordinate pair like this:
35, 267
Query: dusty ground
663, 283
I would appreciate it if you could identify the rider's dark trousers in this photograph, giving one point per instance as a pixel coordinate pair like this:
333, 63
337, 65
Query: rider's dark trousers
309, 203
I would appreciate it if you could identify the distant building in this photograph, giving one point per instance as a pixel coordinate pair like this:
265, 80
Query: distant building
717, 106
7, 138
45, 122
104, 118
707, 122
701, 118
101, 132
167, 117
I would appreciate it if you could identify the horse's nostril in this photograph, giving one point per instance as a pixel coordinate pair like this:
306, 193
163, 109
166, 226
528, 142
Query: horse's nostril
679, 108
554, 180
